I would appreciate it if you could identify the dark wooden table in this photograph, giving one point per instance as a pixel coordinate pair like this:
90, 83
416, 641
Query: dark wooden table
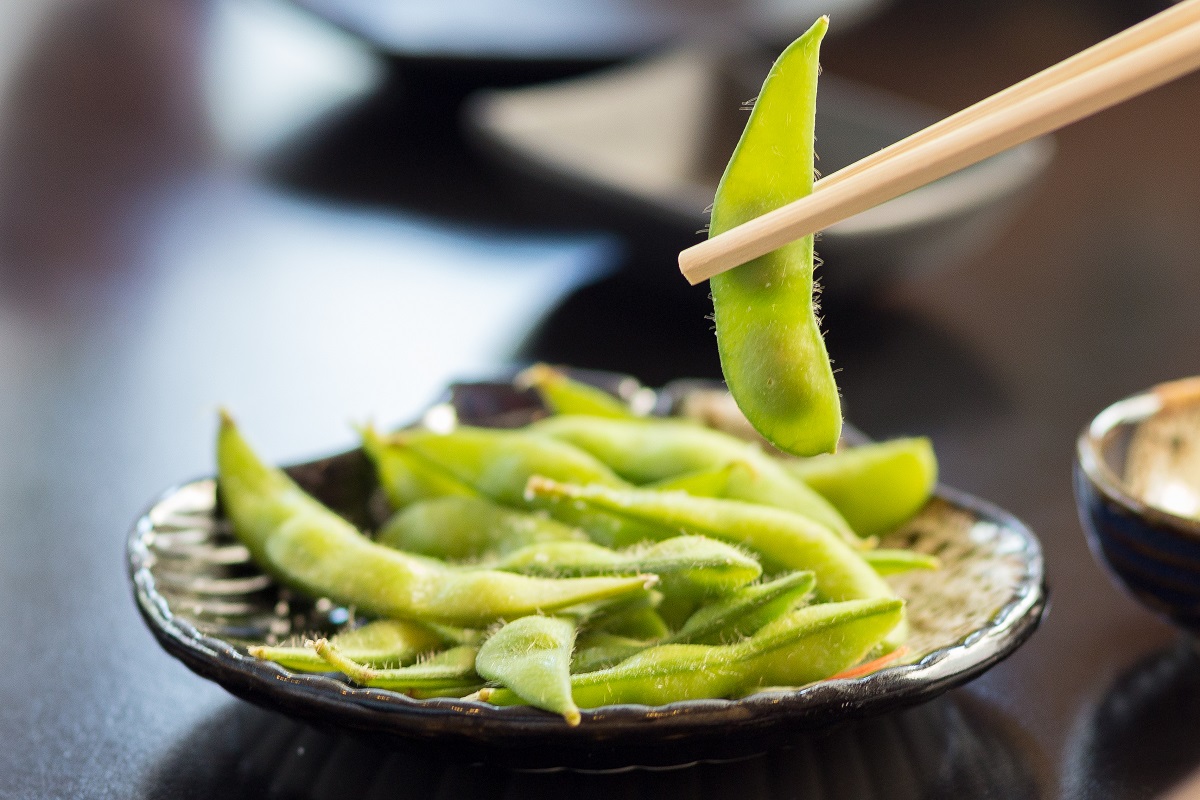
146, 276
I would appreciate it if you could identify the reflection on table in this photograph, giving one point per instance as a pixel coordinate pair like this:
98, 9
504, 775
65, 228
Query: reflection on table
953, 747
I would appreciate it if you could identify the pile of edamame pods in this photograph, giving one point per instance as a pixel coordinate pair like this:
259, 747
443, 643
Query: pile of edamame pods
593, 557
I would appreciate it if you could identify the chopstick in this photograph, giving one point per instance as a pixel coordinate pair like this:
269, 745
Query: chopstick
1154, 52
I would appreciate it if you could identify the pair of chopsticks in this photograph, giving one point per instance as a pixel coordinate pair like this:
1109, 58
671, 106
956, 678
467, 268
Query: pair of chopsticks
1151, 53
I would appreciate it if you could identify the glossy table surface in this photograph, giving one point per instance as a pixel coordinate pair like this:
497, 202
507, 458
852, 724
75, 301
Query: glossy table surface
181, 229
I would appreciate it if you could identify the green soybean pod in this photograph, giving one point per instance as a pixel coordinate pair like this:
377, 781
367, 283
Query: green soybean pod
635, 623
768, 334
838, 636
531, 656
462, 528
451, 669
406, 477
498, 464
743, 612
306, 546
381, 643
563, 395
601, 649
699, 563
646, 450
876, 487
654, 450
783, 539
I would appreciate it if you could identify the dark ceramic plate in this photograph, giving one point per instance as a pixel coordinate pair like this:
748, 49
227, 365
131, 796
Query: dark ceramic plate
205, 602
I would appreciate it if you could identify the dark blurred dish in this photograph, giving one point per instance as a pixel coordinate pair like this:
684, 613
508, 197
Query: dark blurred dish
584, 30
205, 602
657, 135
1137, 483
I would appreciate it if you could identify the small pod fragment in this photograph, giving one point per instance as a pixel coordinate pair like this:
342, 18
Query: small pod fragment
876, 487
888, 561
531, 656
460, 528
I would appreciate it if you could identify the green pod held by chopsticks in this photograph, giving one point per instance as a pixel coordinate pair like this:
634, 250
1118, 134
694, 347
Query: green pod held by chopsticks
768, 335
459, 528
382, 643
876, 487
532, 657
308, 547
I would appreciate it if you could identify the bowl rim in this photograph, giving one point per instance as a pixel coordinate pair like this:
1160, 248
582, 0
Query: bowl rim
1139, 406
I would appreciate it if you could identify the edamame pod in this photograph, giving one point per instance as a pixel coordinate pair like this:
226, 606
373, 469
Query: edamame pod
382, 643
498, 464
635, 623
308, 547
768, 334
837, 636
531, 656
700, 563
645, 451
562, 395
601, 649
783, 539
877, 487
459, 528
407, 478
450, 669
743, 612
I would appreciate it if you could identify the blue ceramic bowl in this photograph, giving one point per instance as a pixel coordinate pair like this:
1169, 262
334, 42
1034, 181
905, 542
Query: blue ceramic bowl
1138, 492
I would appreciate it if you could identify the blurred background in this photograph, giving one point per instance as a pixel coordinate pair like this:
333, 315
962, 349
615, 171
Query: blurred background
316, 212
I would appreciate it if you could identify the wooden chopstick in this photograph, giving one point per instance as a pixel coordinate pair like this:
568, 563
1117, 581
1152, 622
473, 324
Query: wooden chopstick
1148, 55
1143, 33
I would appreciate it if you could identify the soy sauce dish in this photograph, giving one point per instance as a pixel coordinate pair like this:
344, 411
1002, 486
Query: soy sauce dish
1137, 483
207, 603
